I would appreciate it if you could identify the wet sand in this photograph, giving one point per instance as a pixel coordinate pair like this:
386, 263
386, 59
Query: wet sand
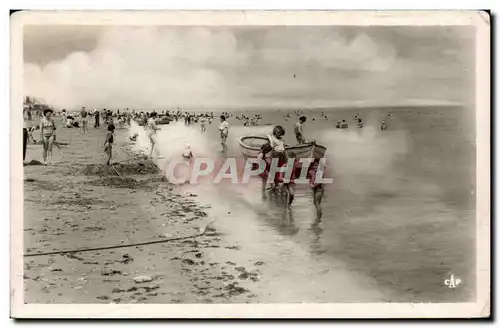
78, 203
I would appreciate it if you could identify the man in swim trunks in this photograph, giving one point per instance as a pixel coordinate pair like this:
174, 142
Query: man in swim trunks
108, 143
224, 132
83, 115
97, 116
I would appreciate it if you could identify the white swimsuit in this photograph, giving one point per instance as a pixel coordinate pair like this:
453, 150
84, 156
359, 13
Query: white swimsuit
151, 127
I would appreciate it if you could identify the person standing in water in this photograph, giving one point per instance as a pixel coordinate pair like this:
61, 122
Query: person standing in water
224, 132
290, 185
298, 130
97, 118
47, 134
151, 129
264, 150
83, 114
317, 188
108, 143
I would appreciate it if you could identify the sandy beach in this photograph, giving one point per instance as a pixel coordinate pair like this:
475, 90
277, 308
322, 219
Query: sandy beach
78, 203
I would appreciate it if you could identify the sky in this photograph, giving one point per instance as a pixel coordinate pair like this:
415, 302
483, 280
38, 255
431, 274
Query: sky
165, 67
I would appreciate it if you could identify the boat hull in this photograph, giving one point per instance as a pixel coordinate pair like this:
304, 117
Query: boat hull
250, 148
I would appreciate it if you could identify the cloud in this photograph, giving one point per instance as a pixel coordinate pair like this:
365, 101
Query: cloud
332, 50
139, 67
165, 67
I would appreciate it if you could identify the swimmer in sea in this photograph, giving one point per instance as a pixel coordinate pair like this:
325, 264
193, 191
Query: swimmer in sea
360, 124
383, 126
134, 137
344, 125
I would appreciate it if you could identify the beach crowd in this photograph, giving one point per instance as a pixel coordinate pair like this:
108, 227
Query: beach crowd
43, 118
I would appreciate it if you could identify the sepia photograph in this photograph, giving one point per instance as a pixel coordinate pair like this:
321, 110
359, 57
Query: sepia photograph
250, 164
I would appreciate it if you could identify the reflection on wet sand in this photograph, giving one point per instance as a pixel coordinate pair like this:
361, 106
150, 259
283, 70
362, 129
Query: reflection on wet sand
315, 235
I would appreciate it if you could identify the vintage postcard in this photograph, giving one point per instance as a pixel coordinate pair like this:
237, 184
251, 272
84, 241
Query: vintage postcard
258, 164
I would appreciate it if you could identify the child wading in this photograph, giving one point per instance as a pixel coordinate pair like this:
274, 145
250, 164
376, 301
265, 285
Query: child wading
317, 188
108, 143
278, 152
264, 150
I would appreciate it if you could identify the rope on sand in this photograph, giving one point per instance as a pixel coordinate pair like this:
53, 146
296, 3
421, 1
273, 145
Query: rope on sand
118, 174
160, 241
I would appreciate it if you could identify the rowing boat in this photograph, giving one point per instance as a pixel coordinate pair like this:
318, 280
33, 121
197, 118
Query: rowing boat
251, 145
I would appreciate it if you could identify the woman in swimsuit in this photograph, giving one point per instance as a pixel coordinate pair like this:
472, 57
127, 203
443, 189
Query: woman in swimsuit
151, 129
47, 134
